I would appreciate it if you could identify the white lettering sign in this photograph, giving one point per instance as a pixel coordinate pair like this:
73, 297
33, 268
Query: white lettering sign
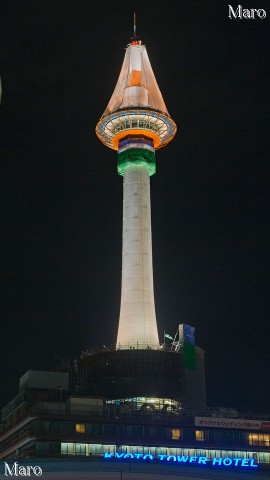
17, 470
246, 13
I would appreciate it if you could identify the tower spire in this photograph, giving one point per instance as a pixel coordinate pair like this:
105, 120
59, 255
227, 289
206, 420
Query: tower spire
134, 24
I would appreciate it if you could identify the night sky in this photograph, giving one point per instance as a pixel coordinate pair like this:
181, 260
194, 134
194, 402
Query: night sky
62, 197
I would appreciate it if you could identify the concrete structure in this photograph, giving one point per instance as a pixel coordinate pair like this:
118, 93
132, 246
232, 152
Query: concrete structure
136, 122
65, 432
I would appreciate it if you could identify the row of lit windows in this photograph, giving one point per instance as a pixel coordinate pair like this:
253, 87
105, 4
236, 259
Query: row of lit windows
124, 430
141, 403
86, 449
146, 125
148, 431
177, 434
259, 439
99, 449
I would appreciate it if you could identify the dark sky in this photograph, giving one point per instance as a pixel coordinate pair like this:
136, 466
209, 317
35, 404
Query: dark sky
62, 197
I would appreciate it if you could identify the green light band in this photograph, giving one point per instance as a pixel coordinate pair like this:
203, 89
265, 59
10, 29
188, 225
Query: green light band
189, 356
136, 156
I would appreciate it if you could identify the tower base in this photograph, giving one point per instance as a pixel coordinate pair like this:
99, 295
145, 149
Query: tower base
146, 373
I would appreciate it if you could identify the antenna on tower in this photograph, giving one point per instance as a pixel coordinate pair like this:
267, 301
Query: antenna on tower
134, 24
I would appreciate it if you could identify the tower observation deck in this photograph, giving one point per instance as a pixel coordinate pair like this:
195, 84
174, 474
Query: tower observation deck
136, 122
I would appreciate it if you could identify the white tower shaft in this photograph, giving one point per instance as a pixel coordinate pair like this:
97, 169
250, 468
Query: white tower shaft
136, 123
137, 324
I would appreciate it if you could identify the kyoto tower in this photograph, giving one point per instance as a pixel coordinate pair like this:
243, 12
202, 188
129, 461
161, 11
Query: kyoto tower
136, 122
137, 367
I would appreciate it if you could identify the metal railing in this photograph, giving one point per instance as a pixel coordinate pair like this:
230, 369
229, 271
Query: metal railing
135, 346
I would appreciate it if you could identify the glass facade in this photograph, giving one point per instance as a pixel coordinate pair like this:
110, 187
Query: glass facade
146, 404
101, 449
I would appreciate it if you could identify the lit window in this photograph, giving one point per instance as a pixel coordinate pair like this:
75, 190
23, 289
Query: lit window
67, 448
259, 439
176, 433
80, 428
80, 448
200, 435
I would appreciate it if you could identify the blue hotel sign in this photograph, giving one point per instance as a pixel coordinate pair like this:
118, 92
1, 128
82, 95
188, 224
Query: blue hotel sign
181, 459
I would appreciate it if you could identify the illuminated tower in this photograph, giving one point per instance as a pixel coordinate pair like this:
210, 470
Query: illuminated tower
136, 123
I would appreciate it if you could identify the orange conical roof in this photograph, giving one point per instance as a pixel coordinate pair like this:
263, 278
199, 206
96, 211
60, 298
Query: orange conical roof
136, 85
